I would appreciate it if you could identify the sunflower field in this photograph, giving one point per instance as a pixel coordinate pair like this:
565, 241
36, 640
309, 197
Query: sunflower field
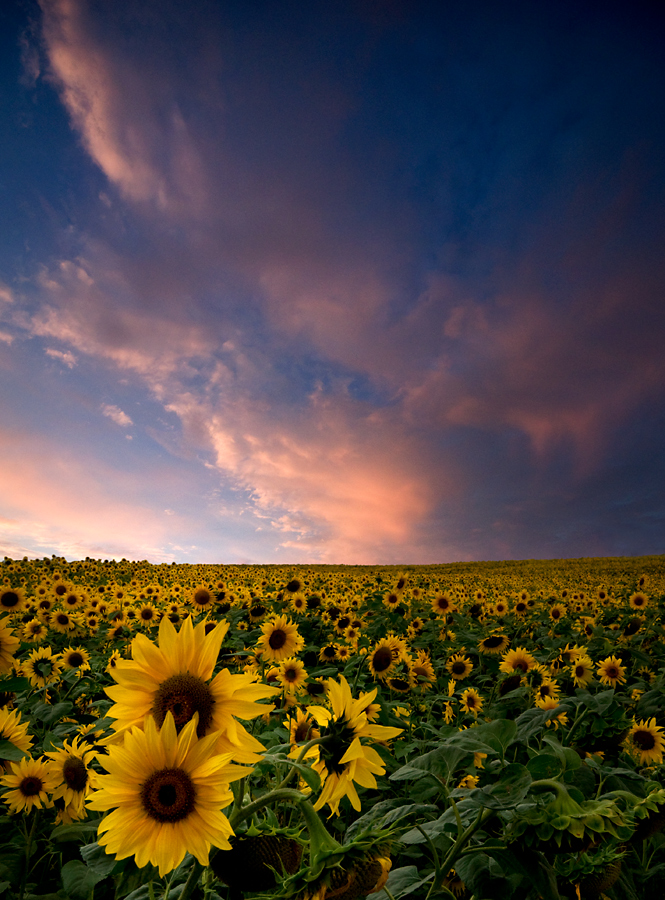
470, 730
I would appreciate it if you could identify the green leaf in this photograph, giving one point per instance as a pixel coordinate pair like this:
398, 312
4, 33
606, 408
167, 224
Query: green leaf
44, 712
97, 859
11, 751
441, 762
74, 832
506, 793
545, 765
385, 813
308, 775
402, 882
14, 685
78, 880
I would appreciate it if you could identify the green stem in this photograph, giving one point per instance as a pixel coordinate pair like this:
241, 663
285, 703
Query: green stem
294, 769
456, 850
192, 880
28, 853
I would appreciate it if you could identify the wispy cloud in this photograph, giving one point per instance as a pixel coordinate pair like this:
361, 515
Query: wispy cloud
116, 415
65, 356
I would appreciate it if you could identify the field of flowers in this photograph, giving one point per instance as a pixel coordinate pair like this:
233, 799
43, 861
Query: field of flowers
472, 730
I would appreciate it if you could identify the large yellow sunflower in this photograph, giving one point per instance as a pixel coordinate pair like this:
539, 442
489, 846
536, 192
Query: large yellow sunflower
175, 677
166, 791
516, 660
74, 779
611, 672
42, 667
645, 741
343, 758
30, 784
280, 638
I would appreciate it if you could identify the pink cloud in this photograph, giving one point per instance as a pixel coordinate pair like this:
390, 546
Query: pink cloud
130, 128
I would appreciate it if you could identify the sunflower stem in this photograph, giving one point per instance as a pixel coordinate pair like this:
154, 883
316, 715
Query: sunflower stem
192, 880
28, 853
294, 769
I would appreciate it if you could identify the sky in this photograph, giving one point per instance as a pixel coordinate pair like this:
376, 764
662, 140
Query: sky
363, 282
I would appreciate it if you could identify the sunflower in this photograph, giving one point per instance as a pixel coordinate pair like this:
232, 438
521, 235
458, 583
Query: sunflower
638, 600
76, 658
12, 600
147, 615
645, 741
202, 598
471, 701
74, 779
8, 647
34, 631
166, 791
62, 621
550, 702
392, 599
422, 670
291, 675
383, 658
459, 666
298, 603
557, 611
302, 728
582, 671
442, 604
280, 638
30, 784
517, 659
42, 667
15, 731
344, 759
611, 672
175, 677
493, 644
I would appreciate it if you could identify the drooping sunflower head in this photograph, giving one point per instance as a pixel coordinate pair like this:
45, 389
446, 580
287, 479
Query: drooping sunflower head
494, 644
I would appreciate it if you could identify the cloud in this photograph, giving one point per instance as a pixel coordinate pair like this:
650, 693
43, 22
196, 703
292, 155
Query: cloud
116, 415
65, 356
6, 294
132, 130
6, 338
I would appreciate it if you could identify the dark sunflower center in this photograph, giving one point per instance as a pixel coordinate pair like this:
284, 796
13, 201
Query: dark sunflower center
612, 672
62, 619
644, 740
470, 701
632, 627
491, 642
277, 639
76, 658
75, 773
459, 668
382, 659
291, 674
168, 795
399, 684
202, 598
303, 732
146, 614
182, 696
9, 599
293, 586
31, 786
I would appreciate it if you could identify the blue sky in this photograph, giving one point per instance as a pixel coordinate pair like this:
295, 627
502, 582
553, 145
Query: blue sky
363, 282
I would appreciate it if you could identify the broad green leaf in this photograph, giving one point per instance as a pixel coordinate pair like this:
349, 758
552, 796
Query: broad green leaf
97, 859
545, 765
402, 882
78, 880
11, 751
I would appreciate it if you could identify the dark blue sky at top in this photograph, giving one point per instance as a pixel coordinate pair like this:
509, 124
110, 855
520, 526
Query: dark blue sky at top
421, 242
